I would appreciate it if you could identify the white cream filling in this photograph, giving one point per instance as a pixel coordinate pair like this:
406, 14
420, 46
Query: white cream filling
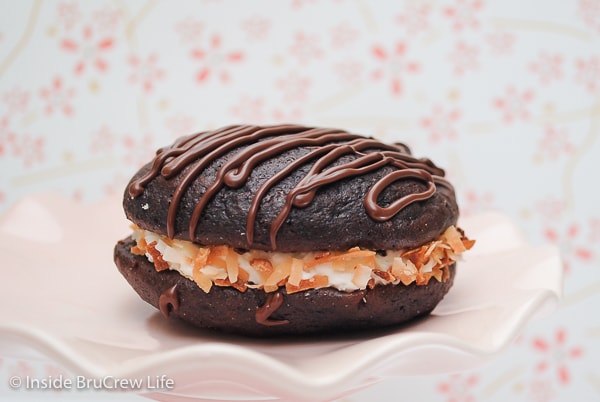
343, 271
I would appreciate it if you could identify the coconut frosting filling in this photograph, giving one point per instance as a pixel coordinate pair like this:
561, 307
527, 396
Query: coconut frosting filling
347, 271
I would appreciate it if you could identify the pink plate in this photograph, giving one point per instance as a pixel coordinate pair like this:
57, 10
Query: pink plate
62, 295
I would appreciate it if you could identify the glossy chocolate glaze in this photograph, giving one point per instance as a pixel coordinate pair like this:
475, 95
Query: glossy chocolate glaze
168, 302
272, 304
255, 145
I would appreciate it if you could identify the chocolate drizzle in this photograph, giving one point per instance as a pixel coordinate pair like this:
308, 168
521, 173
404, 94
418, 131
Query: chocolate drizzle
168, 302
254, 145
272, 304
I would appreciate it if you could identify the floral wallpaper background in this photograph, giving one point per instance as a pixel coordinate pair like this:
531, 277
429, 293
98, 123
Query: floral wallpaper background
505, 95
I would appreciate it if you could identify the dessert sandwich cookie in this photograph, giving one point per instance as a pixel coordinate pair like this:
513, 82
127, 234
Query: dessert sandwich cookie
271, 230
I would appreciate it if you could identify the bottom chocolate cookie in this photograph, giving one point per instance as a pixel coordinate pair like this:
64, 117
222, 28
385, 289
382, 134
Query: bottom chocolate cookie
258, 313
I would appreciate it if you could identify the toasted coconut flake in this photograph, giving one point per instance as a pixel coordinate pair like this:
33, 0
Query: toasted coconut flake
427, 267
168, 242
263, 267
320, 281
217, 257
405, 271
416, 256
422, 279
445, 274
140, 248
201, 258
317, 281
222, 282
362, 274
353, 253
232, 266
322, 254
239, 285
280, 272
214, 272
468, 243
385, 275
157, 259
438, 273
296, 272
453, 237
432, 246
204, 282
243, 275
439, 253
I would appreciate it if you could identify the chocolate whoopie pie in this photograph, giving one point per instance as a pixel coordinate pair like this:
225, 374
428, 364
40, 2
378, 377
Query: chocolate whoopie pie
290, 230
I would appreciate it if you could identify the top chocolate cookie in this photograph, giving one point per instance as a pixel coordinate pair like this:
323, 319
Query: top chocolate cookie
291, 188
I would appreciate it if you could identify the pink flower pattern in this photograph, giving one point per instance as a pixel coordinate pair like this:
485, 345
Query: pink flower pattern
441, 124
548, 67
249, 110
394, 65
103, 141
543, 390
501, 42
476, 202
29, 149
107, 20
589, 10
588, 73
415, 18
16, 100
349, 72
557, 355
458, 388
343, 35
90, 50
256, 28
190, 31
514, 104
146, 72
58, 98
555, 142
464, 58
306, 48
138, 150
68, 15
294, 87
7, 136
463, 14
181, 124
573, 248
215, 61
551, 208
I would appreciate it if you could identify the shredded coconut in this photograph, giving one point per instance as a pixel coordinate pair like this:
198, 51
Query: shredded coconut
348, 270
